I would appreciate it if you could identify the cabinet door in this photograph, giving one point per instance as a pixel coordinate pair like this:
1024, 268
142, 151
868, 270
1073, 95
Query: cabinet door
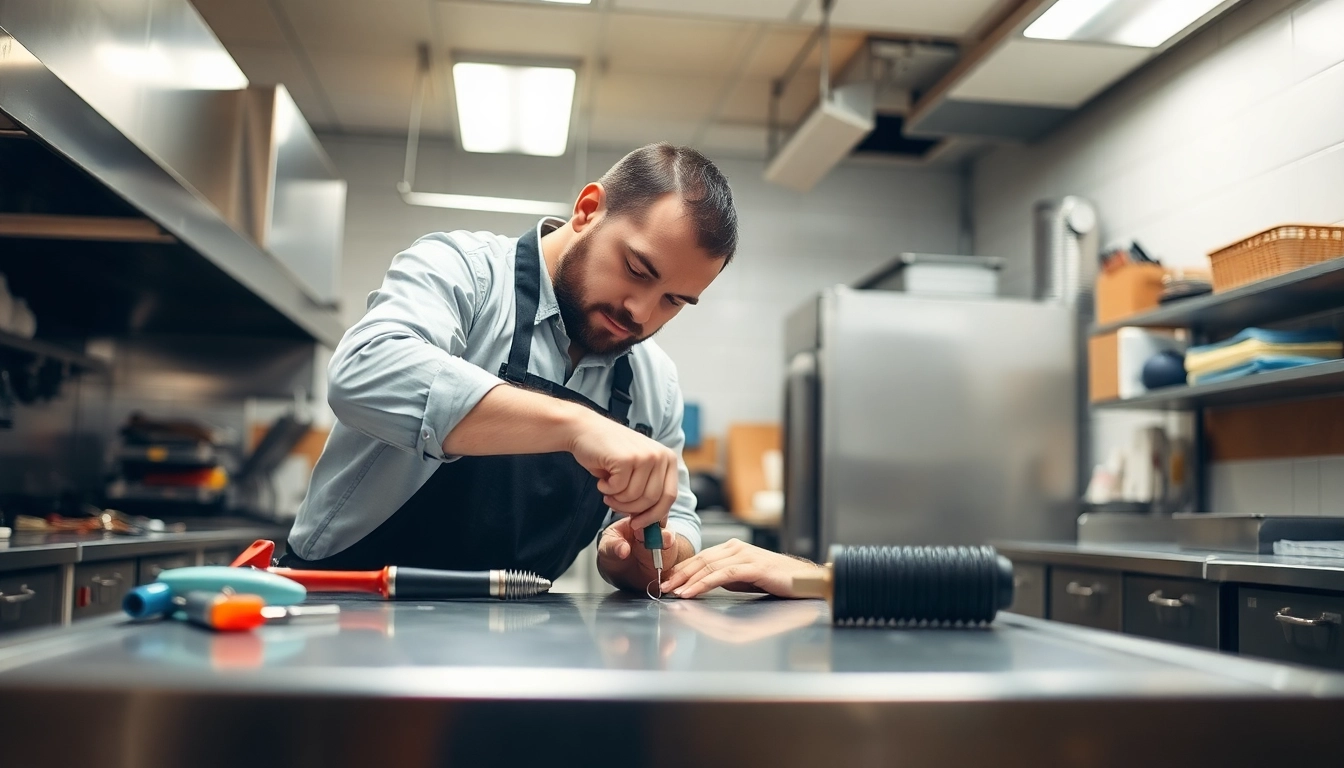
1179, 610
1087, 597
29, 599
151, 567
219, 556
1287, 625
1029, 590
100, 586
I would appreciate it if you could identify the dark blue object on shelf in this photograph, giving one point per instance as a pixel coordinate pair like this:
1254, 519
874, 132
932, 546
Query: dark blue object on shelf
1165, 369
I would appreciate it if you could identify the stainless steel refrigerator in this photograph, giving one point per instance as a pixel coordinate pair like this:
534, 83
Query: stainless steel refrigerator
924, 420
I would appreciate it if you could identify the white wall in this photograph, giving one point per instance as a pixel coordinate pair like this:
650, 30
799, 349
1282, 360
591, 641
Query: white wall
1238, 128
729, 349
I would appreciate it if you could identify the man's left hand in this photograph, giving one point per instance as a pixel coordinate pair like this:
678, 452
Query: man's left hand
623, 560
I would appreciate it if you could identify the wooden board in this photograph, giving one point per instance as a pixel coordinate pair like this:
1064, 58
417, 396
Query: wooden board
1291, 430
747, 443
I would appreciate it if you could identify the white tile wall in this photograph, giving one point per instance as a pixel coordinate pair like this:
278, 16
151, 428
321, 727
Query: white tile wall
1236, 129
729, 349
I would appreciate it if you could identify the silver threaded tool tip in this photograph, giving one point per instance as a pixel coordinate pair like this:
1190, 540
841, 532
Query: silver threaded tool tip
520, 584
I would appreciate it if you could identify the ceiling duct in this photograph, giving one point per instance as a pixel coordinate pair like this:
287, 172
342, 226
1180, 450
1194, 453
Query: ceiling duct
863, 110
842, 118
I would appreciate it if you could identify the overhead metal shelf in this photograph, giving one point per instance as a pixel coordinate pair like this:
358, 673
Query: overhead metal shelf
1318, 380
1302, 292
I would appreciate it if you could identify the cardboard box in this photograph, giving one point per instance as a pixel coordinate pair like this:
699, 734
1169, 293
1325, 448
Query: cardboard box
1128, 290
1103, 367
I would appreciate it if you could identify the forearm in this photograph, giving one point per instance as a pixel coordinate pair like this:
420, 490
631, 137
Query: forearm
509, 421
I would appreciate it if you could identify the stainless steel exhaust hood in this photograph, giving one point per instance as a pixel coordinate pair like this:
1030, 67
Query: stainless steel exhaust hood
159, 125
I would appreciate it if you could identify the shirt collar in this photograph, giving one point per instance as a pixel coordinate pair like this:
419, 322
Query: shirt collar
548, 306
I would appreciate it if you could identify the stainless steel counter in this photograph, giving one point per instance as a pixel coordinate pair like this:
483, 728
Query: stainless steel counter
32, 550
1160, 559
593, 680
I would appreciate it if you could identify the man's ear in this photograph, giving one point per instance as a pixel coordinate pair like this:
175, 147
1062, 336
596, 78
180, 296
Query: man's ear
591, 204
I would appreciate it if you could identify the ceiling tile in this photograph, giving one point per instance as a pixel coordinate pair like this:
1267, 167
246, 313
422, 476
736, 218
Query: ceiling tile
945, 18
511, 28
656, 96
1047, 73
623, 132
781, 45
374, 92
360, 27
243, 22
637, 43
763, 10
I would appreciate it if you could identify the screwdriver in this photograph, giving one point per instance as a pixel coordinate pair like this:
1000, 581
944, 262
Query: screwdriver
653, 541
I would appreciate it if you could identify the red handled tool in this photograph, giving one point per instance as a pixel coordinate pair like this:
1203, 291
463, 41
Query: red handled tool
396, 582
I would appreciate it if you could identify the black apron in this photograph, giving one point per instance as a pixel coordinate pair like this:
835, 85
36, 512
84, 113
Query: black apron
532, 512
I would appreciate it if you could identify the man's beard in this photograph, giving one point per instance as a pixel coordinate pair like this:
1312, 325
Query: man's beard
577, 315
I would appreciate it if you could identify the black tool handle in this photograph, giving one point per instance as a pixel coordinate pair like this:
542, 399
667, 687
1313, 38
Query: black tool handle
432, 584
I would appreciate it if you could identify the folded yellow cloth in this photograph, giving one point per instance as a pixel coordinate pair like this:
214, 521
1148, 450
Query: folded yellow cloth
1245, 351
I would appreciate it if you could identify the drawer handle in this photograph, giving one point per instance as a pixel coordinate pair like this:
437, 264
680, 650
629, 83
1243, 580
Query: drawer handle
25, 594
1078, 590
1160, 601
102, 582
1326, 619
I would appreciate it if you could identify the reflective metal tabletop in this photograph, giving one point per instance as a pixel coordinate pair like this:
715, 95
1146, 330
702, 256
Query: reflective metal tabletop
523, 680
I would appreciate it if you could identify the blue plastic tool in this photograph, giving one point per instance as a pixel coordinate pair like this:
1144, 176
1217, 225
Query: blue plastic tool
274, 589
148, 600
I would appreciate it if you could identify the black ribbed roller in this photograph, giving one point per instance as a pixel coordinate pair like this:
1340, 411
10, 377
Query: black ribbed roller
935, 586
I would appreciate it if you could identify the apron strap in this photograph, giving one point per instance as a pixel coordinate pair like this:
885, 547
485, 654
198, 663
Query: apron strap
619, 407
526, 294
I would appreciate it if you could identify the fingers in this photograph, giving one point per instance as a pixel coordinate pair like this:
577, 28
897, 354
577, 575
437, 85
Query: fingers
728, 573
636, 484
613, 545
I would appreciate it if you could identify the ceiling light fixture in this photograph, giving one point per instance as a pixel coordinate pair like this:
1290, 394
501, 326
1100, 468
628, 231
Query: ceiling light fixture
1137, 23
461, 202
510, 108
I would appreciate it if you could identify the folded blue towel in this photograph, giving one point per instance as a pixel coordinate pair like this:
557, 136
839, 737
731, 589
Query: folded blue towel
1268, 336
1259, 365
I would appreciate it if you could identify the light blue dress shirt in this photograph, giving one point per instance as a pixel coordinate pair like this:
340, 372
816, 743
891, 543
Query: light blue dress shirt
424, 354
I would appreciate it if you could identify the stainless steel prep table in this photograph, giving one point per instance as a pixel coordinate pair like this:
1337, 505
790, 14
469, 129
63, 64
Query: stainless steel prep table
614, 680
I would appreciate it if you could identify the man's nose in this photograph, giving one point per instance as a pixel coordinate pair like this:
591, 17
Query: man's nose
640, 307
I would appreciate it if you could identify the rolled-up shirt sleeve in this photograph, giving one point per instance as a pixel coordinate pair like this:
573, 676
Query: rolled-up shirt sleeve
398, 375
683, 518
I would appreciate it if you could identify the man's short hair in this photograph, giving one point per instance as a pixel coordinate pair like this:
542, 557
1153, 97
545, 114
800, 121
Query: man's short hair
637, 180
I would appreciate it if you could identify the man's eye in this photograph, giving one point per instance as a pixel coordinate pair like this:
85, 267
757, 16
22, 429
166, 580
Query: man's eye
633, 273
673, 301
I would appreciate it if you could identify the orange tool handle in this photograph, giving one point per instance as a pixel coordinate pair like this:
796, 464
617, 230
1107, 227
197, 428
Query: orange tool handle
339, 581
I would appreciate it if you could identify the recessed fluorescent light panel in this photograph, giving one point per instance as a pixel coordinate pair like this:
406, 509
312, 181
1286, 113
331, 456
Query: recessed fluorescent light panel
1137, 23
508, 108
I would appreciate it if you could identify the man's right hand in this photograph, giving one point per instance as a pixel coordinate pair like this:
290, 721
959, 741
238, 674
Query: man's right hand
636, 474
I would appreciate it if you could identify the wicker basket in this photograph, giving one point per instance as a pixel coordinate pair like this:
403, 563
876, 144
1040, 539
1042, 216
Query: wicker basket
1273, 252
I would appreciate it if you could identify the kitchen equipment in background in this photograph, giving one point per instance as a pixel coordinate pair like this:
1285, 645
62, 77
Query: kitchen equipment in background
1065, 246
170, 461
915, 420
929, 274
1273, 252
690, 424
255, 484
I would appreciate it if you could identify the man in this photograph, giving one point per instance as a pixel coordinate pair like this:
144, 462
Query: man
500, 402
